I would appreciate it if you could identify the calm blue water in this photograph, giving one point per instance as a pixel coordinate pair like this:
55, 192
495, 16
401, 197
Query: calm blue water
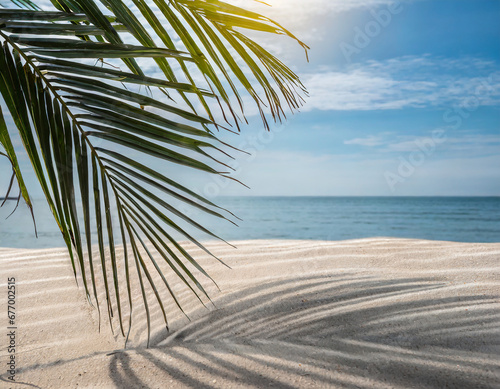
461, 219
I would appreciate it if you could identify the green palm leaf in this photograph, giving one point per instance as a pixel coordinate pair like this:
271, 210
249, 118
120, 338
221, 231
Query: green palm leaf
79, 115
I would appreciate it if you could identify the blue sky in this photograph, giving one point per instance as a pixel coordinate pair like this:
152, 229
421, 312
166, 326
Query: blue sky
404, 100
385, 79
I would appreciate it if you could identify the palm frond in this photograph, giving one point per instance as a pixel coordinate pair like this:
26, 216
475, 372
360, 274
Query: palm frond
79, 122
10, 154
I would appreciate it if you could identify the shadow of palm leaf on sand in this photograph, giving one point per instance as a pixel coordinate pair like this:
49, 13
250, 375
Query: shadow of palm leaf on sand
329, 331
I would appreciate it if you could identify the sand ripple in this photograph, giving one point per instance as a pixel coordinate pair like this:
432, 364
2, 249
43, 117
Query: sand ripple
366, 313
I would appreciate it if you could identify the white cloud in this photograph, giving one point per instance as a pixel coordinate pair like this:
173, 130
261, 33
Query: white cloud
404, 82
312, 21
311, 174
298, 12
451, 143
369, 141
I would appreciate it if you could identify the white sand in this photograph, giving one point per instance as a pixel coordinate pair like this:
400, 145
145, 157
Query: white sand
371, 313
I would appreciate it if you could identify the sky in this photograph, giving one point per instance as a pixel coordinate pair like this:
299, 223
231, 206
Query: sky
404, 100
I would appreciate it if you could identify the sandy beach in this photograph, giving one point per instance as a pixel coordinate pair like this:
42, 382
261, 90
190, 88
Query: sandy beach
369, 313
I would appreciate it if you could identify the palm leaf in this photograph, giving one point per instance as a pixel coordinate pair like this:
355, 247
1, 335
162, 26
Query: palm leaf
10, 153
78, 121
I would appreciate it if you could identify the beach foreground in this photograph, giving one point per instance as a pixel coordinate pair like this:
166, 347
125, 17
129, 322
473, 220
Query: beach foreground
369, 313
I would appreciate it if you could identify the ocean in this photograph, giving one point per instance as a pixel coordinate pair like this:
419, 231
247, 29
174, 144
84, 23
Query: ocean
459, 219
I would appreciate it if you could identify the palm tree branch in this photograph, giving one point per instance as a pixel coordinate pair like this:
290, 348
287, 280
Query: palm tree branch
10, 153
62, 106
95, 157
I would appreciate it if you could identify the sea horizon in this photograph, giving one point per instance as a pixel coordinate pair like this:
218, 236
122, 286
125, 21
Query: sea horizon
474, 219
